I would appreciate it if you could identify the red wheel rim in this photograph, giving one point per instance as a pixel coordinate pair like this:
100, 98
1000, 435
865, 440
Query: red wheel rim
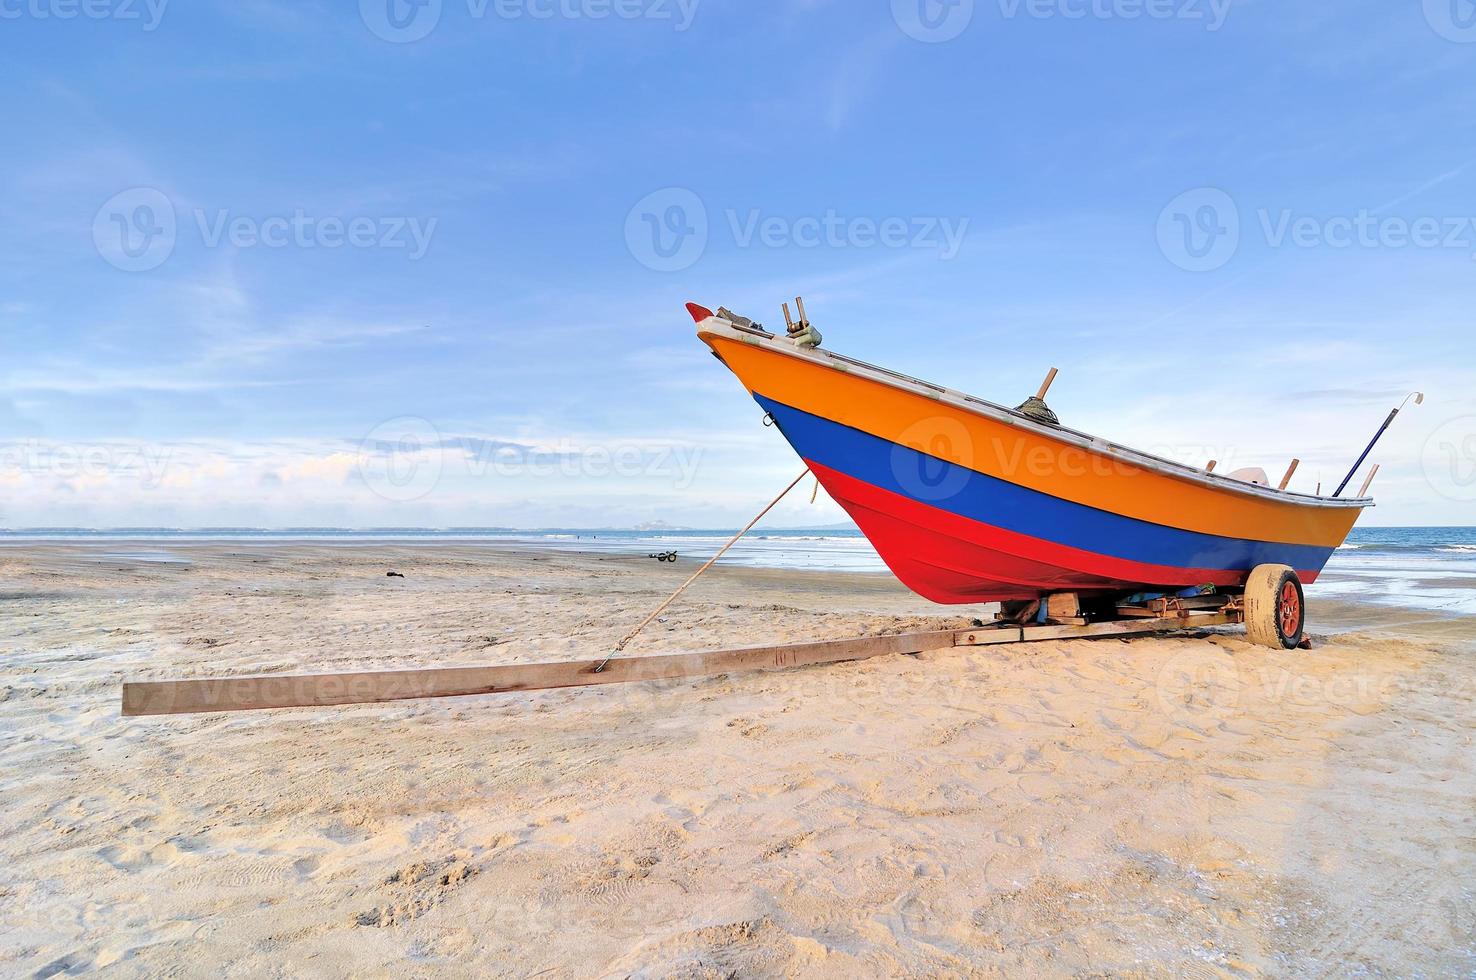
1291, 609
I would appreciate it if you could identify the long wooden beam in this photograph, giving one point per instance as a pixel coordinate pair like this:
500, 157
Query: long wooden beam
261, 691
253, 692
1128, 627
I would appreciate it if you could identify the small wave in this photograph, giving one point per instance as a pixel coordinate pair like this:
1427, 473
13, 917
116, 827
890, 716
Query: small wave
1464, 549
1404, 548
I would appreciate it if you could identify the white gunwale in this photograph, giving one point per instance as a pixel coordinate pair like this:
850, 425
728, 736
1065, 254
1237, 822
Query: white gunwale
718, 327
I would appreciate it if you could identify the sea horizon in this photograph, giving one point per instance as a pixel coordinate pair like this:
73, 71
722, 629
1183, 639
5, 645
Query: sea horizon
839, 529
1429, 568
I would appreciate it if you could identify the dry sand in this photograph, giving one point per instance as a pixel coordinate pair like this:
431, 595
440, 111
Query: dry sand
1165, 806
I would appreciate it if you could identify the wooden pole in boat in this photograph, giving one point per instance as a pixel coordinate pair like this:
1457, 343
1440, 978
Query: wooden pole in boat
1363, 490
620, 647
1045, 385
1211, 467
1289, 471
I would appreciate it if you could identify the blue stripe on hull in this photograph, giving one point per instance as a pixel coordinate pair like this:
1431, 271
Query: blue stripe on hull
979, 497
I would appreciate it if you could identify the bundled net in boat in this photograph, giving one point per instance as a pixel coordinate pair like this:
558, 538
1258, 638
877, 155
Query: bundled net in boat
1037, 409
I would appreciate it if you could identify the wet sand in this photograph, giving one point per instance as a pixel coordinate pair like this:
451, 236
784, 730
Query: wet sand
1188, 804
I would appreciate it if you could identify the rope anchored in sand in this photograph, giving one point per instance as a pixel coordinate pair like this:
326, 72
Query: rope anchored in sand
620, 647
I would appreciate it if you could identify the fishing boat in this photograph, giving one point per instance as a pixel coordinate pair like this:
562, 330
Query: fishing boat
968, 501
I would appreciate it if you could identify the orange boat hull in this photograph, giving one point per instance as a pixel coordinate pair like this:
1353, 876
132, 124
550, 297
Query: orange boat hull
969, 503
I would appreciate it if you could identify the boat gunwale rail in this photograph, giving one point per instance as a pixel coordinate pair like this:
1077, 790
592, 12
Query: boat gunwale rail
719, 327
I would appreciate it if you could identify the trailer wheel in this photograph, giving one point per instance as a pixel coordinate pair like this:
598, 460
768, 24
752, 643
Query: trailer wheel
1275, 607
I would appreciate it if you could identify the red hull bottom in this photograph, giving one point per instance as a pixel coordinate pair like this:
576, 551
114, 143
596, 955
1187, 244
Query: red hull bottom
953, 560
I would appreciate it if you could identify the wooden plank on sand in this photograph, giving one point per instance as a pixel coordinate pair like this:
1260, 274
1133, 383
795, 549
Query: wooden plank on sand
1128, 627
254, 692
260, 691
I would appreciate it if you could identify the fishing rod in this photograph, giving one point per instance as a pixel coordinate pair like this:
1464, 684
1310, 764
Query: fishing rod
1419, 398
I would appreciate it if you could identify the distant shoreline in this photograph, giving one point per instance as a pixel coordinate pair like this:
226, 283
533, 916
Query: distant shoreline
843, 530
330, 533
1420, 570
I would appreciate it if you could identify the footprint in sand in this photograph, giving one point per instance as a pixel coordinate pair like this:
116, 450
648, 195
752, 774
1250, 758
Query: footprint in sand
416, 889
125, 857
1039, 786
77, 961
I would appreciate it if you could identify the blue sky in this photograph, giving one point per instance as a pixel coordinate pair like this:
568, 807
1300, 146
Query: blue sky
275, 264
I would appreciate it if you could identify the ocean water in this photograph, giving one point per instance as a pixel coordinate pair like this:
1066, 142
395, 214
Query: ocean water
838, 549
1418, 567
1430, 568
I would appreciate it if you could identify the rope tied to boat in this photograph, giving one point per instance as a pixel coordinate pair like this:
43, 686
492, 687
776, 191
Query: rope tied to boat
1035, 407
620, 647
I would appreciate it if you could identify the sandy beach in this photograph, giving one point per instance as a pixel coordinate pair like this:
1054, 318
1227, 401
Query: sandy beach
1185, 805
